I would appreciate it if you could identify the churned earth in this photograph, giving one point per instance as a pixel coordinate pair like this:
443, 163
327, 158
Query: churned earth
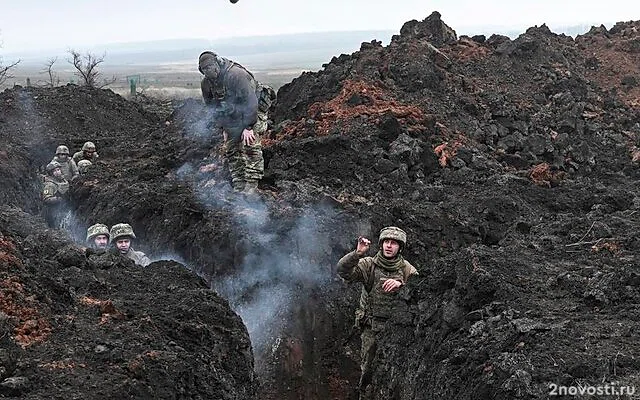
511, 164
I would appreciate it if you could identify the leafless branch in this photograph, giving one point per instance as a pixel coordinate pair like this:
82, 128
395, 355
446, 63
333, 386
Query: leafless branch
87, 69
54, 80
5, 71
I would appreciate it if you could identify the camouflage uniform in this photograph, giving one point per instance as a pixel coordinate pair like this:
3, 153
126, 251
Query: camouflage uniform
119, 231
68, 166
246, 163
375, 306
87, 147
55, 197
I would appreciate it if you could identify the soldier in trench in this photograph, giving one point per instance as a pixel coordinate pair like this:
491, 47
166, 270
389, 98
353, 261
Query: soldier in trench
55, 195
121, 236
98, 236
88, 152
239, 104
381, 277
67, 165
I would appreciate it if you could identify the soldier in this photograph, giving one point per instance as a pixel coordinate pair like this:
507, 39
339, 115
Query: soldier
381, 277
88, 152
54, 195
121, 235
67, 165
230, 90
83, 166
98, 236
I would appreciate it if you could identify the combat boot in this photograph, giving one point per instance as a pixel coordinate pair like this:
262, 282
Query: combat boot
250, 191
250, 187
238, 186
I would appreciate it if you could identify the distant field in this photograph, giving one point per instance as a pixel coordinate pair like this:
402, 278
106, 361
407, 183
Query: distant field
169, 68
178, 80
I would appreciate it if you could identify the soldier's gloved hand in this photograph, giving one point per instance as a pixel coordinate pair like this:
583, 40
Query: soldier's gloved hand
248, 137
363, 245
390, 285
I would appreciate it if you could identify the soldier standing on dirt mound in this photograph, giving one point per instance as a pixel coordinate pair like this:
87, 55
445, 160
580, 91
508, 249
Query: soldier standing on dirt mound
121, 235
230, 90
67, 165
98, 236
88, 152
381, 277
54, 195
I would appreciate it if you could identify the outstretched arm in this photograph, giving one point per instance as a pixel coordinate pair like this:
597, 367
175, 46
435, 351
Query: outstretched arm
353, 267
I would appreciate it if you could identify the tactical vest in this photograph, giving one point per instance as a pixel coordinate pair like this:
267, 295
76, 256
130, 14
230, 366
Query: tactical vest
380, 305
53, 187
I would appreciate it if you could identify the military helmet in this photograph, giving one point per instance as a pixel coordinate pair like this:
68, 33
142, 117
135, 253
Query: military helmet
88, 146
52, 165
395, 233
97, 229
62, 150
83, 165
121, 230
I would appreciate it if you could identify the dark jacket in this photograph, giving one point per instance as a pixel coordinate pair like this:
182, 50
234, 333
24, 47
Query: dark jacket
231, 90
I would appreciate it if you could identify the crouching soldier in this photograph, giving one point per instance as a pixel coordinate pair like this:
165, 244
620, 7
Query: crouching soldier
55, 196
381, 276
121, 236
98, 236
88, 152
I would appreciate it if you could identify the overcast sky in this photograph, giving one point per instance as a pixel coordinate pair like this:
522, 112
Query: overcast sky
27, 25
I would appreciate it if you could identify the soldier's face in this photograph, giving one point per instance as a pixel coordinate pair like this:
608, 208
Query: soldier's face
390, 248
123, 245
57, 172
88, 153
101, 241
62, 157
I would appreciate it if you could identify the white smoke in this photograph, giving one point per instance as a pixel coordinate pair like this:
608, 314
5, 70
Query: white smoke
277, 271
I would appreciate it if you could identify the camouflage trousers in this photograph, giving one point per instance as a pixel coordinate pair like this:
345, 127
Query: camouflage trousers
246, 163
367, 352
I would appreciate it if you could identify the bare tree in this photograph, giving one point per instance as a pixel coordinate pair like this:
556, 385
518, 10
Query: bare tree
5, 71
87, 69
54, 80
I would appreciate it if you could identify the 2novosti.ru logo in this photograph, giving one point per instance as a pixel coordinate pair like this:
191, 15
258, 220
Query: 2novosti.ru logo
600, 390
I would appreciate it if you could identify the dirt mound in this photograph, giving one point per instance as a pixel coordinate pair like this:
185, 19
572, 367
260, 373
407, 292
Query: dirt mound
511, 167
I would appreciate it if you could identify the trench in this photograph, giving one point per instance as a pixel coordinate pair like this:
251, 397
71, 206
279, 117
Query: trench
278, 275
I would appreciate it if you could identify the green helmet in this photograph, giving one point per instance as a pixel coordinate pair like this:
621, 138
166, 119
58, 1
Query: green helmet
62, 150
88, 146
97, 229
52, 165
119, 231
83, 166
395, 233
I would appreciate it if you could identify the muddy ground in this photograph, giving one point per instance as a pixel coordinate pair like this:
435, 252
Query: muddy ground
511, 164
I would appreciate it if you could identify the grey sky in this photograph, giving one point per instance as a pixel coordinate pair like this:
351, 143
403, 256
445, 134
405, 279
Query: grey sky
27, 25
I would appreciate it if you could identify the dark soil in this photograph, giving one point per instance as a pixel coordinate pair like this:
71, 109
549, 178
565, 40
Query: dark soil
512, 165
